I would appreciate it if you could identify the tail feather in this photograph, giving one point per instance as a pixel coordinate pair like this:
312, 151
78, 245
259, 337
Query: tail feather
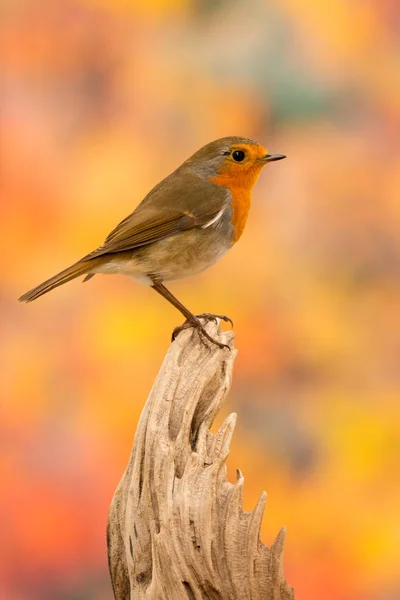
79, 268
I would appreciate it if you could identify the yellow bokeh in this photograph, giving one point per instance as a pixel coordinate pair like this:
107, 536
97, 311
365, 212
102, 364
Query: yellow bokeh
101, 100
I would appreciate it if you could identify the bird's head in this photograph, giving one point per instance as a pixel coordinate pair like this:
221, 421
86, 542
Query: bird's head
231, 159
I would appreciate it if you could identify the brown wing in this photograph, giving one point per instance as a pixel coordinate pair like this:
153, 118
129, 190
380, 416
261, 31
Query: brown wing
176, 204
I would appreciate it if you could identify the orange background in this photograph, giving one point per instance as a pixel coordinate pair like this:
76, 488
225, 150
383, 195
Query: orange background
100, 100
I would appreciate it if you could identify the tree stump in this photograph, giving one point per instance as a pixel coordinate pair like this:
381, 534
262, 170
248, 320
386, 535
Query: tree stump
176, 527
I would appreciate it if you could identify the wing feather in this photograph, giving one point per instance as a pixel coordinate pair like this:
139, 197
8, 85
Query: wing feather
175, 205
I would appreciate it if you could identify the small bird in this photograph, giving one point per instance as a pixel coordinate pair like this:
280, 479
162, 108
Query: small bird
185, 224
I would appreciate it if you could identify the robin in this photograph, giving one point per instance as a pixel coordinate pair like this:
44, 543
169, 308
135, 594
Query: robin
184, 225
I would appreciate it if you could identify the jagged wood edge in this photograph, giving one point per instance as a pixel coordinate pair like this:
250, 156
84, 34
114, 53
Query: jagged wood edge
175, 457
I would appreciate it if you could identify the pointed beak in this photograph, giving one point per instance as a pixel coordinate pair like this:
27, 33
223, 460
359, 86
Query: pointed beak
271, 157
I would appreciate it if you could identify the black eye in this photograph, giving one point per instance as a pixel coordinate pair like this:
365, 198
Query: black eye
238, 155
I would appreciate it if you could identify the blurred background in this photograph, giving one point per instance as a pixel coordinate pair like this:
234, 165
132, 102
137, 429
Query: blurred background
100, 100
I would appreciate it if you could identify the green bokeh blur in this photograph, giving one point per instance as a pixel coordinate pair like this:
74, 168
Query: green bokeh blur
100, 100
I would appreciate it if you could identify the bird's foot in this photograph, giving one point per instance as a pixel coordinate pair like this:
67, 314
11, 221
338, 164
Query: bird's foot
196, 324
212, 317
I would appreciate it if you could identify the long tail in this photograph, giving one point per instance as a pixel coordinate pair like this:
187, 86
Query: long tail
79, 268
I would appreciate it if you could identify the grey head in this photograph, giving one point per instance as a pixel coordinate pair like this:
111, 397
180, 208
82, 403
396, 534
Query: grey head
207, 161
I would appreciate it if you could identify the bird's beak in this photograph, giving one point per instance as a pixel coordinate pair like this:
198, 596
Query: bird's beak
271, 157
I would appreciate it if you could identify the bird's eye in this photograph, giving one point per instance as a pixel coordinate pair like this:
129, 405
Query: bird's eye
238, 155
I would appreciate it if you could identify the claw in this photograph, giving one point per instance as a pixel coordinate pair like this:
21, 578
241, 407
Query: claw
212, 317
195, 322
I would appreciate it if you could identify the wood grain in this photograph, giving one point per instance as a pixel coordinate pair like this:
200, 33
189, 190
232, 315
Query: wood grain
176, 528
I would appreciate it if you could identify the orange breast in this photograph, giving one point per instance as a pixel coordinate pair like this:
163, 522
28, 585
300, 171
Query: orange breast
240, 185
241, 200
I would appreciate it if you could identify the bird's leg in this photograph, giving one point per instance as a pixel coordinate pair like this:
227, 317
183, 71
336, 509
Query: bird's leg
191, 319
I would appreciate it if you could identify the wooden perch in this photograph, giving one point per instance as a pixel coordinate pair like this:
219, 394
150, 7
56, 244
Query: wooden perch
176, 529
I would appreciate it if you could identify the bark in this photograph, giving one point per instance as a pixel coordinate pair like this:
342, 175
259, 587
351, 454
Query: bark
176, 529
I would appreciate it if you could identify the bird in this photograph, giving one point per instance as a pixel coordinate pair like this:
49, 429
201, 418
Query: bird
184, 225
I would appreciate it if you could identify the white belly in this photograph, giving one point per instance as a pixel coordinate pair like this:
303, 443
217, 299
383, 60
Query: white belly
175, 257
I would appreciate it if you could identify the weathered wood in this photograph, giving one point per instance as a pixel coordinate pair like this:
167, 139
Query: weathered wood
176, 529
